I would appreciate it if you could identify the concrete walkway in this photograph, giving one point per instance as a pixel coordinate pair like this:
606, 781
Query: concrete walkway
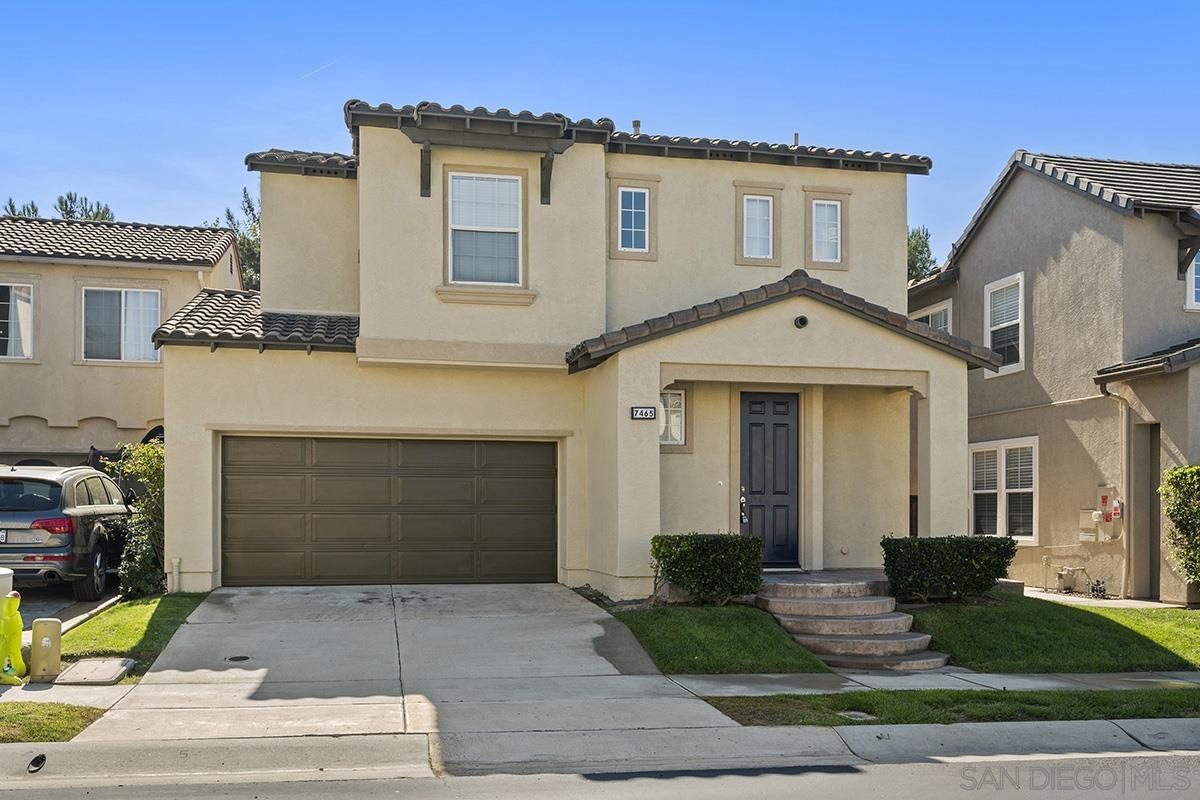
384, 660
835, 682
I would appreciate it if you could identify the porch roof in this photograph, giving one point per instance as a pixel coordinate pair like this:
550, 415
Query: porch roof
591, 352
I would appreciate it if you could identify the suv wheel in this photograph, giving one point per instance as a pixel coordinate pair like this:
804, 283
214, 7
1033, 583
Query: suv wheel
92, 587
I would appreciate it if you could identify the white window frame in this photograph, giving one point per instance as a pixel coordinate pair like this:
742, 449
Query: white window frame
1002, 446
1019, 280
746, 198
947, 305
1190, 303
682, 393
29, 344
823, 202
451, 227
645, 193
123, 290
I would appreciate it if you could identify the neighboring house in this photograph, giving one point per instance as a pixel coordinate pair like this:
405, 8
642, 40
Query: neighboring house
79, 300
1081, 274
447, 376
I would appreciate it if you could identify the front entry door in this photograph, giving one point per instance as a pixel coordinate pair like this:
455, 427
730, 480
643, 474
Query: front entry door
770, 466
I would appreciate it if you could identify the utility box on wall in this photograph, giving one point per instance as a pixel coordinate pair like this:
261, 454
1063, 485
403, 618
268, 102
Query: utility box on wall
1104, 522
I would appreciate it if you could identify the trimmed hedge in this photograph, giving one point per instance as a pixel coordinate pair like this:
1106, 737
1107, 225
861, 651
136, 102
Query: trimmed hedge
711, 567
945, 566
1180, 493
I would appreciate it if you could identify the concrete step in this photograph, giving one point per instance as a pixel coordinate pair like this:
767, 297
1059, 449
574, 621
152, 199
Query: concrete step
894, 622
927, 659
883, 644
784, 589
828, 606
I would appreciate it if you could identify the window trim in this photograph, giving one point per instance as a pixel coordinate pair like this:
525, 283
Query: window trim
822, 194
1019, 279
623, 180
684, 390
641, 190
834, 204
1190, 303
933, 308
773, 192
83, 357
1002, 446
33, 321
519, 177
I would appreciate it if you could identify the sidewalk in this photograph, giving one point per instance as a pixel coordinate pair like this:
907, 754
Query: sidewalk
953, 678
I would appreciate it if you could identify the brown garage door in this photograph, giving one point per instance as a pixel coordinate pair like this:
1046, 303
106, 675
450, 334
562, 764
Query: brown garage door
328, 511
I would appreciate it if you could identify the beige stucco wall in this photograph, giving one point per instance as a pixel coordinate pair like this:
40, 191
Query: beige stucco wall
309, 243
56, 405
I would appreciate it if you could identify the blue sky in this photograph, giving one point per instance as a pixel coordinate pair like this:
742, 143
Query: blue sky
151, 107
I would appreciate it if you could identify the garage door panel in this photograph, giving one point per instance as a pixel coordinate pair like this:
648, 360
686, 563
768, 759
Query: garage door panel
358, 490
352, 528
437, 565
515, 565
538, 492
521, 530
437, 528
352, 452
274, 566
353, 566
327, 511
263, 489
265, 529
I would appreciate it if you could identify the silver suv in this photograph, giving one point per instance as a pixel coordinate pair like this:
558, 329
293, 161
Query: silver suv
61, 525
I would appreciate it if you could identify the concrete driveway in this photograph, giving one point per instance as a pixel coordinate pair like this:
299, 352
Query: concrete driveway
270, 662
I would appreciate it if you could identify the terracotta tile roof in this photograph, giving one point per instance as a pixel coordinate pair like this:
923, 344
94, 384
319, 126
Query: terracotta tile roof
602, 130
133, 242
591, 352
1169, 359
234, 318
303, 162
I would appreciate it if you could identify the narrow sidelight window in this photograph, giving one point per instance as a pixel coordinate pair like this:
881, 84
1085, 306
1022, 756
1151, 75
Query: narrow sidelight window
672, 430
118, 324
485, 229
16, 320
634, 235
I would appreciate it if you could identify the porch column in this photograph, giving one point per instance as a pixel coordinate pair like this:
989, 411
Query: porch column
813, 496
942, 455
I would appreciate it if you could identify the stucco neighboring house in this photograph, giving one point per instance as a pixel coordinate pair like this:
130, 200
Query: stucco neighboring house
497, 346
1081, 274
79, 300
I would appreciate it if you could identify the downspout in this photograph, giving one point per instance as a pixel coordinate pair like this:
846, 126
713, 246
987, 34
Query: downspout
1124, 487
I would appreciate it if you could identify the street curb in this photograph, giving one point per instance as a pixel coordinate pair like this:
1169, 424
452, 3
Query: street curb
76, 621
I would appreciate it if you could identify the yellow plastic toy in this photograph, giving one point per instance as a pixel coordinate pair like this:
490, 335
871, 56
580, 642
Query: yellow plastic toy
12, 666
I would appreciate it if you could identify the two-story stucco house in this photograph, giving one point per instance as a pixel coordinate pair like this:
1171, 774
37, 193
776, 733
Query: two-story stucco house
497, 346
79, 300
1081, 274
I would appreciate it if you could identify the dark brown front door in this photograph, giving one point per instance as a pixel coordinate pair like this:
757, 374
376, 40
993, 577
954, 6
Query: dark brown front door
302, 510
770, 465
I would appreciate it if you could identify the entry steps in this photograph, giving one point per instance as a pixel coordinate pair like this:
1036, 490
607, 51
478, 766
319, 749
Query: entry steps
848, 624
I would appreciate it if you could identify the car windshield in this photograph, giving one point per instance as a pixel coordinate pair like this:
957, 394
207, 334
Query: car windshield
25, 494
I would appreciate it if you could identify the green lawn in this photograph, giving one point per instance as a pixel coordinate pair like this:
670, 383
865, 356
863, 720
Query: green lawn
944, 706
44, 722
708, 639
1024, 634
137, 629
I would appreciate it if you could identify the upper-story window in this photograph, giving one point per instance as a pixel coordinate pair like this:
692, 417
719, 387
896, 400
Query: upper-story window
16, 320
757, 239
485, 229
936, 316
1192, 301
1004, 322
118, 324
827, 230
634, 234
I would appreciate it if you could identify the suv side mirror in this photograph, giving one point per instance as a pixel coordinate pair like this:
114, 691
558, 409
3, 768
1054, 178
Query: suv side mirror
130, 497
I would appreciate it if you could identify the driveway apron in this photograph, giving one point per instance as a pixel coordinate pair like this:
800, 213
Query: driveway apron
346, 660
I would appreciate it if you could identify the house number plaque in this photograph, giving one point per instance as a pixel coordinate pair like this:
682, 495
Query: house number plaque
643, 412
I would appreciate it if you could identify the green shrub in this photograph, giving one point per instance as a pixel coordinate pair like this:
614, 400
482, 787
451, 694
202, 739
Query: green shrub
711, 567
141, 569
1180, 492
945, 566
